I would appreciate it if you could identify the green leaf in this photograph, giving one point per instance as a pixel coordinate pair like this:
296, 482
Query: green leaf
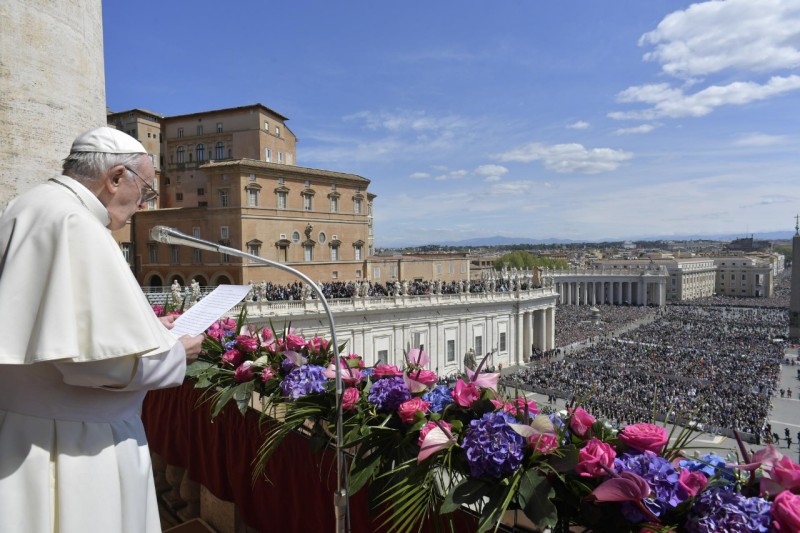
467, 492
197, 368
534, 494
565, 462
221, 400
243, 394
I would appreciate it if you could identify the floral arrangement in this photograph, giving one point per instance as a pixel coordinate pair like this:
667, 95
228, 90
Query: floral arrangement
426, 449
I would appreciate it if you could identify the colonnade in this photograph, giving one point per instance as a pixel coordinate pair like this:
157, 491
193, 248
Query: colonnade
593, 291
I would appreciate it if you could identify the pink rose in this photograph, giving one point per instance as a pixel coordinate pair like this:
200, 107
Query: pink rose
233, 357
243, 373
645, 437
593, 457
408, 409
294, 342
228, 324
543, 443
267, 374
428, 427
786, 512
581, 421
386, 371
215, 333
521, 406
426, 377
691, 483
316, 345
465, 394
350, 398
246, 343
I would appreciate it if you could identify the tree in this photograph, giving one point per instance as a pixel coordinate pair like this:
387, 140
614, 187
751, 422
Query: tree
520, 259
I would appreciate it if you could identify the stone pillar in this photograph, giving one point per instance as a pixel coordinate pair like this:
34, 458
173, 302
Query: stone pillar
585, 292
628, 293
794, 299
568, 299
527, 336
540, 323
52, 86
521, 350
550, 327
645, 286
619, 293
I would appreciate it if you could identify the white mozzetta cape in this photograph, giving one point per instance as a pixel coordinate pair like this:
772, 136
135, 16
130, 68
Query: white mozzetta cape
80, 349
66, 292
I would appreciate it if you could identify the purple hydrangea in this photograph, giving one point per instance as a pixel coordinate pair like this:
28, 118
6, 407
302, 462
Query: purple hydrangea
722, 508
493, 448
303, 380
389, 393
659, 474
230, 345
287, 365
709, 464
439, 398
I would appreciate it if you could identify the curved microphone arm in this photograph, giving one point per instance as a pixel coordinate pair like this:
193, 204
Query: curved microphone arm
169, 235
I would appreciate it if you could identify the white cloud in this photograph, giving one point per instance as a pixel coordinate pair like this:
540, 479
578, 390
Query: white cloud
644, 128
492, 179
744, 39
743, 35
511, 188
760, 139
419, 175
406, 121
670, 102
491, 173
579, 125
568, 158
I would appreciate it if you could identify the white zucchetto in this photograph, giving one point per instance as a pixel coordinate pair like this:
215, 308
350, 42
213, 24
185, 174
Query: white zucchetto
107, 140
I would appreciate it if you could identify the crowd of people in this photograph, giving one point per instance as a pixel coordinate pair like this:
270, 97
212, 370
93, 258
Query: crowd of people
268, 291
716, 366
575, 323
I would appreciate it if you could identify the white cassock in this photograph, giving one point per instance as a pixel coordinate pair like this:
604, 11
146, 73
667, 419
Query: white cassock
79, 348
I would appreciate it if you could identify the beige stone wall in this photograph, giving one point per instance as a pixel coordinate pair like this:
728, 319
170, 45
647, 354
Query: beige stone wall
52, 86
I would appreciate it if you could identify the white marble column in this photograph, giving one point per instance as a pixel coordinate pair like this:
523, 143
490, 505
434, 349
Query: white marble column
550, 329
527, 335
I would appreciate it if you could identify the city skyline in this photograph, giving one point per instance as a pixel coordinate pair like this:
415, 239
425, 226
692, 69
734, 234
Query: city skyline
580, 122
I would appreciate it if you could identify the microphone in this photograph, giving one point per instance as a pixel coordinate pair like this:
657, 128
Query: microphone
169, 235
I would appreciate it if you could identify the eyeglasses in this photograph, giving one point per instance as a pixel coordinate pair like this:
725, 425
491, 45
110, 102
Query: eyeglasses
148, 193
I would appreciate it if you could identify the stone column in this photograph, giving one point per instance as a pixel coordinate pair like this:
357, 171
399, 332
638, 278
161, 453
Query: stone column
794, 299
527, 336
628, 292
52, 86
540, 323
550, 327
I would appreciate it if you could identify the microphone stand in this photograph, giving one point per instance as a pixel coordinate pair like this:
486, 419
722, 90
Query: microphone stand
167, 235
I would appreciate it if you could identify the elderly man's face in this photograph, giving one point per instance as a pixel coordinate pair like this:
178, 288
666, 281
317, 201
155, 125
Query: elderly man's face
129, 189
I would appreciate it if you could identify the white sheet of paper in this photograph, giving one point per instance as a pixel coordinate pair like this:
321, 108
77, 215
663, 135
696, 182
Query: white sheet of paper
209, 309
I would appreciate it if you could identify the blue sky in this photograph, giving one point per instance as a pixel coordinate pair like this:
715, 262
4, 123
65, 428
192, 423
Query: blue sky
579, 120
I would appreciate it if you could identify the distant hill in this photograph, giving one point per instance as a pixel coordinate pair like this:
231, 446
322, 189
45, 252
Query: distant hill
499, 240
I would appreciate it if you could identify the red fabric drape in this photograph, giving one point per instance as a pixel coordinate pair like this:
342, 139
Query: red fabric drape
299, 494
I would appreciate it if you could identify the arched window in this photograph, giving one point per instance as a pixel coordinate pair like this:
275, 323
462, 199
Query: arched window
201, 152
220, 151
181, 154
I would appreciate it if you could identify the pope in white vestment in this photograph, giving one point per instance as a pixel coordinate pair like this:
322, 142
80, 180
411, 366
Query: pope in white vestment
79, 348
